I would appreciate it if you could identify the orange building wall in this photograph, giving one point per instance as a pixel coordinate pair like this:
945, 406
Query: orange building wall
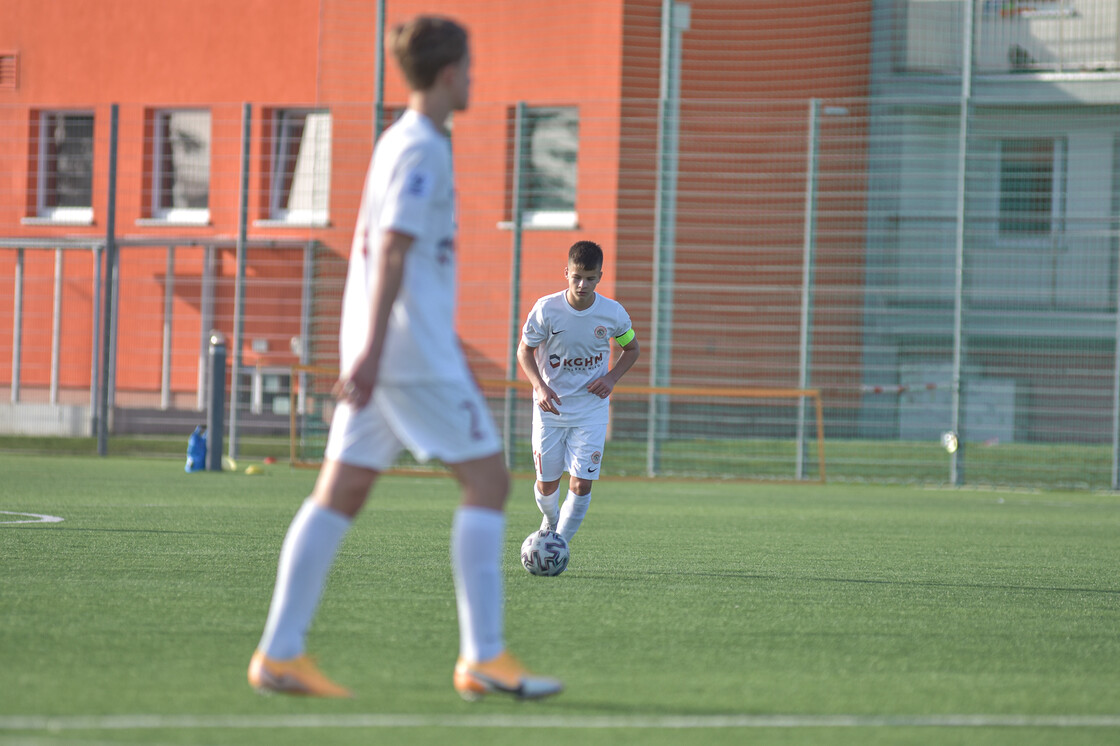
75, 52
742, 161
214, 54
602, 55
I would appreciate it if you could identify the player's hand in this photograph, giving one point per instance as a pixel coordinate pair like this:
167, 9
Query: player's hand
601, 387
547, 400
356, 388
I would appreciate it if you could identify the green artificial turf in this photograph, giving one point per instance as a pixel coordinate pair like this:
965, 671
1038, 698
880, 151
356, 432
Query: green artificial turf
692, 612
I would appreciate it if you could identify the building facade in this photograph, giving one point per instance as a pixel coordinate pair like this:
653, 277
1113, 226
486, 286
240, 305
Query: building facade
993, 198
201, 85
910, 205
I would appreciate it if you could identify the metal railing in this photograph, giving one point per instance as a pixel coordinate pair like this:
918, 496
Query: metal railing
1011, 36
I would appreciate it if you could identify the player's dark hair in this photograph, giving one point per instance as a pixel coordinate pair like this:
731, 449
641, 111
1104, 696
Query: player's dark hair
586, 255
425, 45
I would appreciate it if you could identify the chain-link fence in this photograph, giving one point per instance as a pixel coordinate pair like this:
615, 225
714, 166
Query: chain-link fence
936, 257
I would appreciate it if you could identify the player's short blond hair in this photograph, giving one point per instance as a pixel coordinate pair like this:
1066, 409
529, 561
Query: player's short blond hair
425, 45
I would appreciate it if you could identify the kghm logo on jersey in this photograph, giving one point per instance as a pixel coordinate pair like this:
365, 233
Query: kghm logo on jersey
578, 362
554, 361
600, 332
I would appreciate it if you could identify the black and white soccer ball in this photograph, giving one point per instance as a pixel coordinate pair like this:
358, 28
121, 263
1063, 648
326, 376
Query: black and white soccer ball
544, 553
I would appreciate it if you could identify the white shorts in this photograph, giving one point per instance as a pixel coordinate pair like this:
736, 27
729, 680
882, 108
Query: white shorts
577, 450
449, 421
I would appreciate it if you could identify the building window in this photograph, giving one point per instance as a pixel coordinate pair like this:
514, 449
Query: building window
1031, 187
551, 141
265, 390
299, 188
181, 167
9, 71
65, 174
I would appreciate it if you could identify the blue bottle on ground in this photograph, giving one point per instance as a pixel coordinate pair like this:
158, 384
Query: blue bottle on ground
196, 450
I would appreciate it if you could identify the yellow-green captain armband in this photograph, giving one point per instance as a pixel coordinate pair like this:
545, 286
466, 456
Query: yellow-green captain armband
626, 338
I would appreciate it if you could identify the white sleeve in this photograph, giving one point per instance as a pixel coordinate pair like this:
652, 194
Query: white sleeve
411, 186
623, 323
535, 330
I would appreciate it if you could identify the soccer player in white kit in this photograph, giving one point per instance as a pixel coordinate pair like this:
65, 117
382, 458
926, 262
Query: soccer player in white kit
405, 384
565, 350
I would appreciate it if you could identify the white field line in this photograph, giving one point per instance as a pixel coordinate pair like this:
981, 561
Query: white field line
36, 517
686, 722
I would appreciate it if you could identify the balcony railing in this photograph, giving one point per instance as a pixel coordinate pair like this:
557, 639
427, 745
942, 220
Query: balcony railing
1011, 36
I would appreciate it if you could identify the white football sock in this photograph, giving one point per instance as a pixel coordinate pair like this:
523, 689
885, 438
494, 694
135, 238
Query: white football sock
476, 555
572, 513
549, 506
305, 560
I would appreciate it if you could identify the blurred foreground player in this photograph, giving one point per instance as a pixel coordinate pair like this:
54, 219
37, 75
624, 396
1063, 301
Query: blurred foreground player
399, 305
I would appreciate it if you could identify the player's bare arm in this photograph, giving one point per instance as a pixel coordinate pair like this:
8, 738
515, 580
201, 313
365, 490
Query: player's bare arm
547, 399
604, 385
356, 386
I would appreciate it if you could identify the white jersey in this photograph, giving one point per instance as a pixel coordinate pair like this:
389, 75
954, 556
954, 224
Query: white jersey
573, 348
409, 189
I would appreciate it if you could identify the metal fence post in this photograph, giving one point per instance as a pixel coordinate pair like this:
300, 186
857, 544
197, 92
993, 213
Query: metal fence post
17, 328
379, 73
514, 278
675, 20
206, 318
95, 347
239, 288
109, 309
808, 257
215, 412
956, 457
168, 310
56, 326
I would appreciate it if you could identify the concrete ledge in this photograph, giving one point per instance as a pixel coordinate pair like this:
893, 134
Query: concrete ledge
72, 421
68, 420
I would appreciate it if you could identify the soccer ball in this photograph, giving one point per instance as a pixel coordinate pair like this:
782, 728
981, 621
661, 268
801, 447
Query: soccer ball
544, 553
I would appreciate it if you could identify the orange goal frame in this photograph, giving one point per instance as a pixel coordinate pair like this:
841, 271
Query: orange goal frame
720, 392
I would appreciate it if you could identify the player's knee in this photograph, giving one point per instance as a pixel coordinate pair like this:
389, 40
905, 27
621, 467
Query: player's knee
343, 488
485, 482
580, 486
495, 486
